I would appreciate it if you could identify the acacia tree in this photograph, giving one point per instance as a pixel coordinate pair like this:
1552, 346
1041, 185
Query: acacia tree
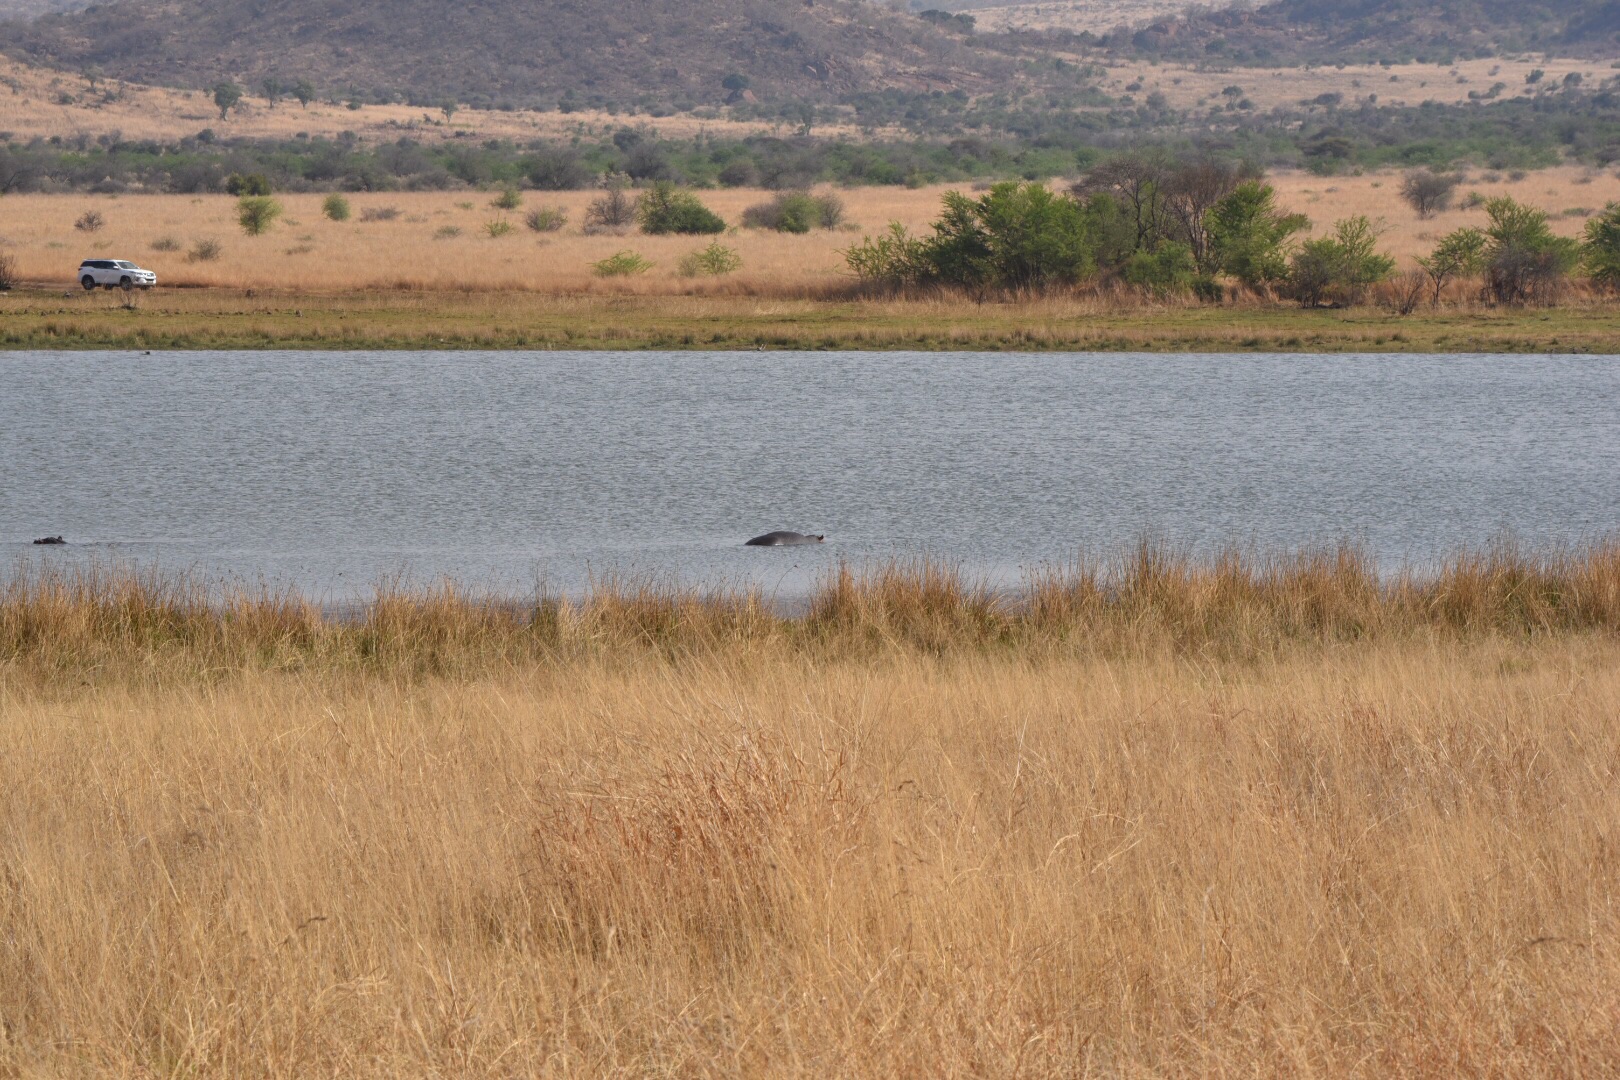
255, 213
1458, 253
1600, 251
1339, 267
1524, 261
226, 96
1190, 192
1428, 192
1137, 180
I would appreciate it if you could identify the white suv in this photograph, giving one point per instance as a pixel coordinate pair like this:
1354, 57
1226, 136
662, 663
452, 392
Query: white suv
114, 273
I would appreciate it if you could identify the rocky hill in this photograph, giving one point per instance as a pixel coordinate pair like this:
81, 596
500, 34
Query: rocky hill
522, 52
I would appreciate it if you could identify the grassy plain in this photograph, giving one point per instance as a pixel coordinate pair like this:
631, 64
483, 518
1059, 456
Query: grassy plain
431, 275
1186, 819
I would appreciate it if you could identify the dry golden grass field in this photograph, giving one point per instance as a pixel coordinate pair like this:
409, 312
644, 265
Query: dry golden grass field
32, 105
439, 239
1219, 820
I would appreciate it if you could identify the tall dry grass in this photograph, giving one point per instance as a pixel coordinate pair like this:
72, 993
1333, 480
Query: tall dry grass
78, 621
438, 240
1163, 818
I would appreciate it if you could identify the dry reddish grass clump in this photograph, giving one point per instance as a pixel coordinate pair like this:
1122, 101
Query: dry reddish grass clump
1153, 817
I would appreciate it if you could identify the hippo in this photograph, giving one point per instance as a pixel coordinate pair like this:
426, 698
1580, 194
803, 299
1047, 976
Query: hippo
50, 540
782, 538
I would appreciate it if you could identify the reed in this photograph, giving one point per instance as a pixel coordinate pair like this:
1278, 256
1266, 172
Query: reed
82, 619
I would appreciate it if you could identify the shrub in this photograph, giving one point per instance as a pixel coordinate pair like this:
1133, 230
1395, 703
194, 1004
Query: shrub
509, 199
1340, 267
796, 212
8, 272
1169, 270
546, 219
1524, 261
204, 251
497, 228
712, 261
1249, 236
1016, 236
892, 259
383, 213
1429, 192
446, 232
335, 207
90, 221
1457, 254
557, 168
614, 209
165, 243
666, 209
621, 264
1600, 251
256, 213
252, 184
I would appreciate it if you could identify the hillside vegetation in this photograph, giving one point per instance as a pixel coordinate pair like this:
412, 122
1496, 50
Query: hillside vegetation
570, 51
1305, 31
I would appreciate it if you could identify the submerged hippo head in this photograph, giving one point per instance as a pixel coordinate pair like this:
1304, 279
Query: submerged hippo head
50, 540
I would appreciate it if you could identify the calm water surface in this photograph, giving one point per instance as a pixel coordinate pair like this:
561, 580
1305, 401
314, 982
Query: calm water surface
333, 471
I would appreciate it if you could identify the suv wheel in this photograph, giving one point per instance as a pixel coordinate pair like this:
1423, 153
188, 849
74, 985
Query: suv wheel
88, 282
125, 284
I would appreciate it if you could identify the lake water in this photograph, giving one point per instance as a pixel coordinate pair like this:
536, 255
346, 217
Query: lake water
333, 471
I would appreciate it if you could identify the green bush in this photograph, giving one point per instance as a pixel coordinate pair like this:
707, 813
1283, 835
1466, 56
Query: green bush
712, 261
252, 184
621, 264
1458, 254
256, 213
1340, 267
335, 207
1169, 270
796, 212
665, 209
1524, 261
1249, 236
509, 199
1016, 236
497, 228
1600, 251
546, 219
892, 259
